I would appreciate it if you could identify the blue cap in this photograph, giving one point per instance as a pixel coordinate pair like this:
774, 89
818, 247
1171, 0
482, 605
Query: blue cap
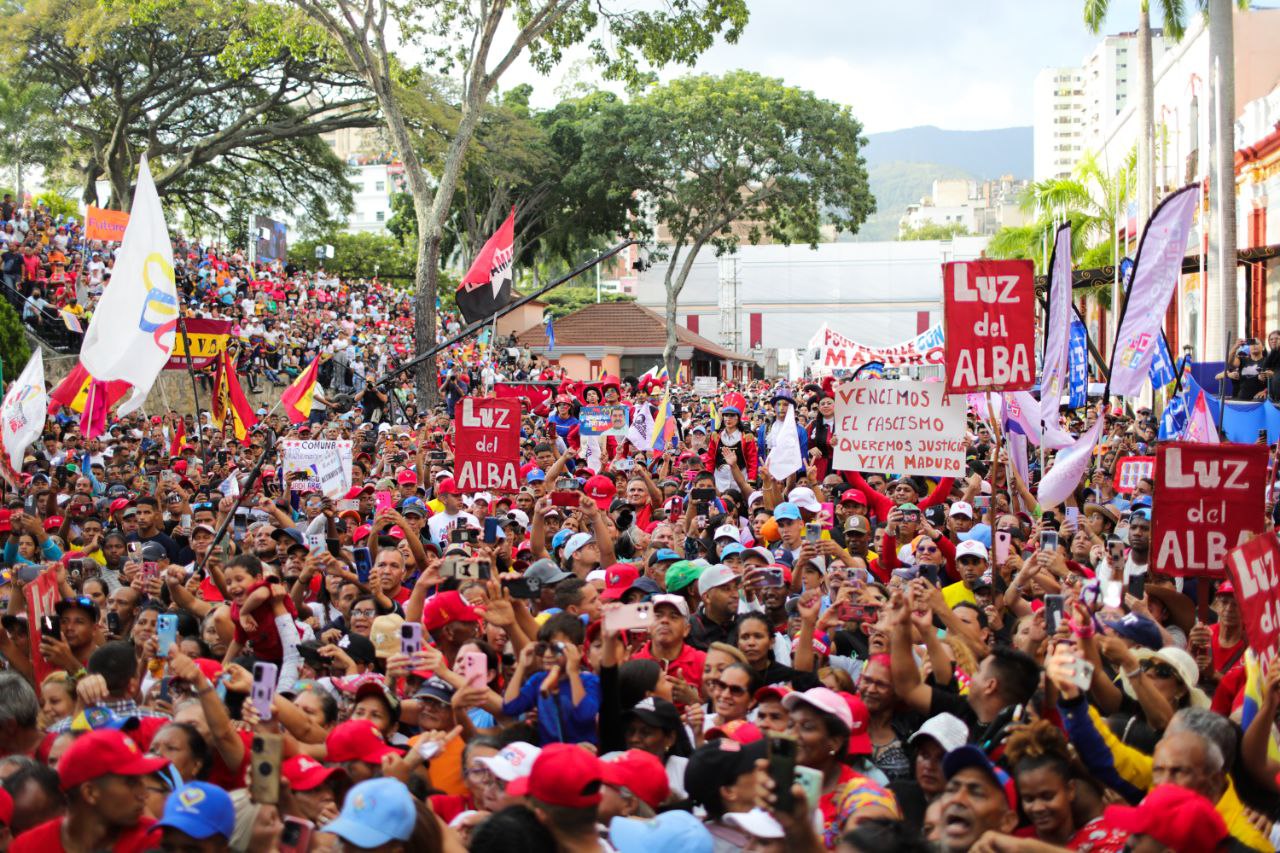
293, 533
376, 812
200, 810
731, 549
1137, 629
964, 757
673, 830
560, 538
413, 504
534, 476
1140, 501
786, 510
664, 555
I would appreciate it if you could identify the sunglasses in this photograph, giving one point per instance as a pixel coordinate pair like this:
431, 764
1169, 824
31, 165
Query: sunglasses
1158, 669
732, 689
927, 550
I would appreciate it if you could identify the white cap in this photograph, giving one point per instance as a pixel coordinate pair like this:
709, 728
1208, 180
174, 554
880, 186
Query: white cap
717, 575
803, 497
961, 508
727, 530
520, 517
575, 542
972, 548
597, 575
947, 729
676, 601
757, 823
515, 761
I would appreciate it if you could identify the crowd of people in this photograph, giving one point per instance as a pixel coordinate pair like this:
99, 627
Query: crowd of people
679, 649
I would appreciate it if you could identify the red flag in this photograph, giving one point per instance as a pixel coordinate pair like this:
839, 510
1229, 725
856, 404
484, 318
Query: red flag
229, 398
93, 420
179, 438
487, 285
297, 398
73, 389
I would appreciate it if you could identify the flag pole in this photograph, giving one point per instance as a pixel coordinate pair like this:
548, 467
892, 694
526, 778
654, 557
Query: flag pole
506, 309
1222, 383
195, 389
267, 451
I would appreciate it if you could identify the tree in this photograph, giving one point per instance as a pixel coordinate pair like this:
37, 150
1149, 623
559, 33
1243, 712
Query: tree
564, 300
722, 158
191, 83
358, 256
469, 43
29, 132
935, 231
14, 350
1223, 181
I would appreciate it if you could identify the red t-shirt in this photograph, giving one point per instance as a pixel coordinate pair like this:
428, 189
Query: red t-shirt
449, 806
47, 838
265, 639
688, 664
1222, 656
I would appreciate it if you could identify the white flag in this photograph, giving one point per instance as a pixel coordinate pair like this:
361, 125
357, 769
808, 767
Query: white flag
1053, 378
641, 433
24, 410
592, 452
784, 456
133, 328
1068, 468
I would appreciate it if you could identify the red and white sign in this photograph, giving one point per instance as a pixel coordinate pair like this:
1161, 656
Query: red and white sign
42, 597
487, 448
1255, 573
1208, 500
989, 316
1131, 469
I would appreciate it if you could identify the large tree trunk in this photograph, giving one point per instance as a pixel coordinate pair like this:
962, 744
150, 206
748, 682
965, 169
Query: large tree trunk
426, 276
1146, 117
1222, 184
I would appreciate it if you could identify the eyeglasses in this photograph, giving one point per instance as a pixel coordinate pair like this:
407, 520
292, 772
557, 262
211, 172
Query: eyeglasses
364, 611
1158, 669
732, 689
481, 776
929, 549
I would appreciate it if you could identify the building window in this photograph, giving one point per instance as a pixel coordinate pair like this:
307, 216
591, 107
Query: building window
380, 215
380, 186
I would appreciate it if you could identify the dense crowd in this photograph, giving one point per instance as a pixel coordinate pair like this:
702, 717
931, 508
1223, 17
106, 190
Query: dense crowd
679, 650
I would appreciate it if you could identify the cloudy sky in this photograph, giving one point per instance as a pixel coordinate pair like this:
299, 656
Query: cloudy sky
957, 64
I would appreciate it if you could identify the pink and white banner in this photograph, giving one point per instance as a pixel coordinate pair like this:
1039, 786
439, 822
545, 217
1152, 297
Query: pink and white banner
833, 351
1053, 377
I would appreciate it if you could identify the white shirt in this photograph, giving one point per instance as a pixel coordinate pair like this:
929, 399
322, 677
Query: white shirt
440, 524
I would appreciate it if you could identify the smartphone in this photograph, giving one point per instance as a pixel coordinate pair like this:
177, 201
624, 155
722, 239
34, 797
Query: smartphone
566, 484
410, 638
1003, 539
811, 781
1112, 594
316, 543
1053, 607
295, 837
113, 623
703, 494
1082, 674
166, 633
148, 571
1262, 437
89, 568
49, 627
1138, 584
490, 530
981, 504
475, 669
930, 572
1073, 516
185, 521
1050, 518
364, 563
264, 688
164, 694
1115, 550
781, 753
463, 535
565, 499
629, 617
1049, 540
134, 549
771, 578
383, 501
463, 568
812, 531
519, 588
264, 776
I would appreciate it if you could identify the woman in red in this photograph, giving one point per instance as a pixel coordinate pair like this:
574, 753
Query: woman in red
731, 436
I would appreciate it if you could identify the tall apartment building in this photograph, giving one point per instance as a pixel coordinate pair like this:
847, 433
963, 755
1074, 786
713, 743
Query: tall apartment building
1075, 106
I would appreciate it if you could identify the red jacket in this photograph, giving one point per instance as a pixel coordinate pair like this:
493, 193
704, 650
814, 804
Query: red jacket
749, 451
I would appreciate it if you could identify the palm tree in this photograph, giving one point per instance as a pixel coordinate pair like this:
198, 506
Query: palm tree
1172, 14
1222, 58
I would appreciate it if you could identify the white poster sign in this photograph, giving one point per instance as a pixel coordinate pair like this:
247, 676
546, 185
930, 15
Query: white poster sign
324, 464
899, 427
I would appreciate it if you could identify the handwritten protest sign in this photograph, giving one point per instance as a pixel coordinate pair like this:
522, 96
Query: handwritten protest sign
899, 427
487, 450
1208, 500
603, 420
1255, 574
324, 464
705, 386
989, 311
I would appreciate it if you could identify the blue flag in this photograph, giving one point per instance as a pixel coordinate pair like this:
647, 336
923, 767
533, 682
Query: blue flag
1078, 365
1161, 371
551, 334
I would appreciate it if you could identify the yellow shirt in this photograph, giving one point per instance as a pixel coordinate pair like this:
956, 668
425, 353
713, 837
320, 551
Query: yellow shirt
954, 593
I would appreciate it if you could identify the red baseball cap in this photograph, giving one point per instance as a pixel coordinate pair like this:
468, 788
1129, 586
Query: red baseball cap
304, 773
407, 478
447, 607
5, 524
357, 740
361, 532
740, 730
1177, 817
859, 737
639, 772
601, 489
52, 523
447, 486
105, 752
562, 775
119, 504
854, 495
618, 578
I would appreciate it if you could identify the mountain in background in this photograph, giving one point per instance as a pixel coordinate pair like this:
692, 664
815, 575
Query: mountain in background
903, 164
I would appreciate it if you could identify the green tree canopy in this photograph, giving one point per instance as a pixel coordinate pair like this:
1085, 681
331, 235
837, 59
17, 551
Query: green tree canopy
935, 231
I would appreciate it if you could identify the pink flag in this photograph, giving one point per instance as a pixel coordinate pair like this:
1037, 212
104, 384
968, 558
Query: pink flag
93, 420
1200, 426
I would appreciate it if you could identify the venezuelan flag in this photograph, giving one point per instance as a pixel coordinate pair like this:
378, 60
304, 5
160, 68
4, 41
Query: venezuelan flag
73, 391
297, 398
1253, 700
664, 425
229, 400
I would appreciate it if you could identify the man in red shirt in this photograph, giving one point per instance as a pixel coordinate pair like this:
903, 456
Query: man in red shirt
667, 641
101, 773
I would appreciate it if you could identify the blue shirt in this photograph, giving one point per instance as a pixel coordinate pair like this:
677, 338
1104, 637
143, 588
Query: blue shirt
559, 720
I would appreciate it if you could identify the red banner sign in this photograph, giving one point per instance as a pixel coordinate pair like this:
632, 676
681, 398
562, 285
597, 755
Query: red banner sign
537, 393
42, 596
1255, 573
989, 317
208, 339
487, 445
1208, 500
1131, 469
